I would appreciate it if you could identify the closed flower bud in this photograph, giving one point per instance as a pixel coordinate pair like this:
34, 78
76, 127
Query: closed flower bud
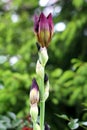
45, 78
39, 69
46, 93
47, 87
34, 93
34, 112
43, 27
43, 56
47, 127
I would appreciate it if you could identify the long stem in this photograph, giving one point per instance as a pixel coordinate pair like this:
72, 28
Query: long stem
42, 114
42, 105
34, 125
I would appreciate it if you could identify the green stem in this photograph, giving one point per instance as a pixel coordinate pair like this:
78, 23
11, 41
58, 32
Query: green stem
34, 125
42, 105
42, 114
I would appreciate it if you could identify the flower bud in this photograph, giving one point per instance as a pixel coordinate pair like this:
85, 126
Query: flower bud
43, 27
43, 56
34, 93
34, 112
47, 127
47, 86
45, 78
39, 69
46, 93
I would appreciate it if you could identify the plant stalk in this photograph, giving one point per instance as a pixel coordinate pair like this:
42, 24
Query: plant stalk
42, 105
34, 125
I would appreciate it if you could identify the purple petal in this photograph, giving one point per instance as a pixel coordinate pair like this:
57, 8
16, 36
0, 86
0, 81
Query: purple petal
43, 24
34, 85
50, 21
36, 23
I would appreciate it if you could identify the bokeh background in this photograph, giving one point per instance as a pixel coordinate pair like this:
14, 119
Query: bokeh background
67, 65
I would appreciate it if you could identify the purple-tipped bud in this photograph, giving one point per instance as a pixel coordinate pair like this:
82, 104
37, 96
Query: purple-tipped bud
43, 27
47, 127
45, 78
47, 87
34, 93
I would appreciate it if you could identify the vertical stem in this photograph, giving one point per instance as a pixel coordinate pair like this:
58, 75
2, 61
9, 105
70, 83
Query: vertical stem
34, 125
42, 114
42, 104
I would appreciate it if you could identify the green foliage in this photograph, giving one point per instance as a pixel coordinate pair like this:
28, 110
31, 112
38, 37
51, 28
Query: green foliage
67, 65
73, 123
11, 122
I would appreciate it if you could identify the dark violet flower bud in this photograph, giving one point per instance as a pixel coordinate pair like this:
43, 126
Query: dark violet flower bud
47, 127
43, 27
34, 93
45, 78
47, 87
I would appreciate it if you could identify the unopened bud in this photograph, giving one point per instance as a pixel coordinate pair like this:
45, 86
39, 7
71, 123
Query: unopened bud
47, 86
47, 127
39, 69
43, 27
45, 78
43, 56
34, 112
34, 93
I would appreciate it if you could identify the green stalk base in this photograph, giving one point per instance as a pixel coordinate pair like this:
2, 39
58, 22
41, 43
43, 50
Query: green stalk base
42, 114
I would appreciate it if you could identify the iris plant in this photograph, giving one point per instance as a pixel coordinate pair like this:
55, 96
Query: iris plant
43, 28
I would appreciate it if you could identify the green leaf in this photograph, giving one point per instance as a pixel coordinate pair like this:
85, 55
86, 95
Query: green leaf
63, 116
1, 86
2, 59
16, 123
78, 3
11, 115
4, 119
84, 123
75, 120
73, 124
2, 126
57, 72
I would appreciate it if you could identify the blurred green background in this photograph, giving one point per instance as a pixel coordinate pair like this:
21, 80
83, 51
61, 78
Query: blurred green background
67, 65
